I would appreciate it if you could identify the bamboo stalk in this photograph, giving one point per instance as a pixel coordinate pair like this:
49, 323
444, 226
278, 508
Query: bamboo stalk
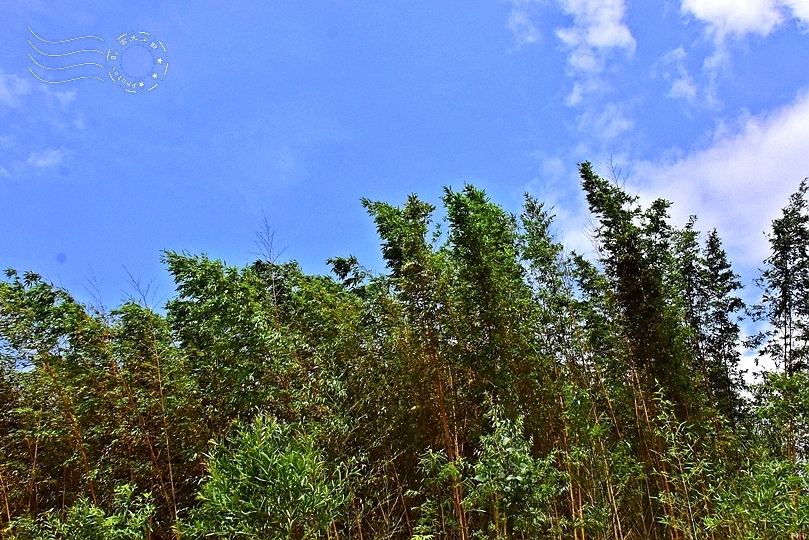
401, 496
165, 423
5, 496
67, 403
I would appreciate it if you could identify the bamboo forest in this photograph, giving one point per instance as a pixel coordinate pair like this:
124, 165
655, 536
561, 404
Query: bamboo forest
488, 383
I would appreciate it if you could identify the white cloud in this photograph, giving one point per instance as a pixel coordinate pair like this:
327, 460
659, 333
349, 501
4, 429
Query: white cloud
726, 17
48, 158
606, 124
521, 25
44, 114
683, 88
598, 28
672, 69
800, 9
739, 183
11, 88
557, 187
63, 97
738, 18
582, 88
597, 24
553, 167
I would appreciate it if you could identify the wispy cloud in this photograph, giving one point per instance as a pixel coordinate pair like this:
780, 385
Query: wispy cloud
724, 18
739, 183
43, 122
521, 24
605, 124
734, 18
728, 21
11, 88
597, 25
64, 98
598, 29
800, 9
47, 158
557, 185
274, 148
671, 67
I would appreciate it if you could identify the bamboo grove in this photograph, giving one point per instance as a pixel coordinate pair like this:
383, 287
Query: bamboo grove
488, 384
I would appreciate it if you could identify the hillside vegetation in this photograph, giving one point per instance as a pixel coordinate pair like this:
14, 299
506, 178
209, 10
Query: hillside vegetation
488, 384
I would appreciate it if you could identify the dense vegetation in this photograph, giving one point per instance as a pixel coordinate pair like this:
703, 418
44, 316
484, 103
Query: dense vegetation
489, 384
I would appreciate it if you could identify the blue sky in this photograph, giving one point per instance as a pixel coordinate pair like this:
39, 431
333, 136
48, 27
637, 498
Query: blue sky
295, 110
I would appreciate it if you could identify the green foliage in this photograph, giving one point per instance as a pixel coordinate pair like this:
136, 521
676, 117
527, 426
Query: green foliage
712, 312
486, 384
769, 499
130, 520
785, 284
509, 484
436, 512
269, 481
782, 412
638, 261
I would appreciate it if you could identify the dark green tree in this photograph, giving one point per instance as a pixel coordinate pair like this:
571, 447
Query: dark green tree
785, 308
712, 311
785, 285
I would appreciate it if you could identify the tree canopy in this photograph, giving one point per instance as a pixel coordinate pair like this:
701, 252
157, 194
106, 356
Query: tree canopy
488, 383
